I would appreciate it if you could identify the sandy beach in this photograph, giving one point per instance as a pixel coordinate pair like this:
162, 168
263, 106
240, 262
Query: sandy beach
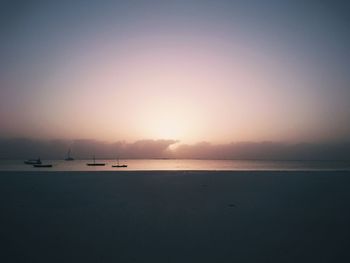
175, 216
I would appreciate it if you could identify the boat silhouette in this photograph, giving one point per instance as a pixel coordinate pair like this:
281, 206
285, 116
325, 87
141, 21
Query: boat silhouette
119, 165
42, 165
33, 161
94, 163
69, 157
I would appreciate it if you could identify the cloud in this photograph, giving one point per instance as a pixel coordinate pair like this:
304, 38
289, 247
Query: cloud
84, 149
265, 151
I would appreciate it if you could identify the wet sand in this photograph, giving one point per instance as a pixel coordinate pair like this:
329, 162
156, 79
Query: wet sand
175, 216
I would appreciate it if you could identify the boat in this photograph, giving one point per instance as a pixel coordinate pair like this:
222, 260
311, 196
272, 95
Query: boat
33, 161
42, 165
69, 158
119, 165
95, 164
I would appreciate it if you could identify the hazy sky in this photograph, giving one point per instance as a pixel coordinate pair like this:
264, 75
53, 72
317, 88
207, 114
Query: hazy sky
218, 71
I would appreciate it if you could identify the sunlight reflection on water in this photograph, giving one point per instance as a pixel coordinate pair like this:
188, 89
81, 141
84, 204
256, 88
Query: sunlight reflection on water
177, 164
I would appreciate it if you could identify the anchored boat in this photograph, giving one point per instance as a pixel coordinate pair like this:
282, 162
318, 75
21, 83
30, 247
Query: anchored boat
42, 165
119, 165
69, 157
33, 161
95, 164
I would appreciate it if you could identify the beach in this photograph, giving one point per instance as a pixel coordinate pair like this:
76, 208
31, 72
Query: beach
175, 216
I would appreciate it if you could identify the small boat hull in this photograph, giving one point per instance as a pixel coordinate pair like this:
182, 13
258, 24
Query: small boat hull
94, 163
42, 165
32, 162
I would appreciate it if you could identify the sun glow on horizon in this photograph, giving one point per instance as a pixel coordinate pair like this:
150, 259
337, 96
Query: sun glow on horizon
181, 71
166, 121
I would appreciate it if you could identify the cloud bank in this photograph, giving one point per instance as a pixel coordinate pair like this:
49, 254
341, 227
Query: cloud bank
84, 149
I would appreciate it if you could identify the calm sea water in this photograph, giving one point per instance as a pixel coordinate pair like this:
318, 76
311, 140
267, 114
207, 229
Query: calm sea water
178, 164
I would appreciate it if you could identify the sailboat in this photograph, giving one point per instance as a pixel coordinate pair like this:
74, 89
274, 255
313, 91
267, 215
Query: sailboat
119, 165
42, 165
33, 161
94, 163
69, 158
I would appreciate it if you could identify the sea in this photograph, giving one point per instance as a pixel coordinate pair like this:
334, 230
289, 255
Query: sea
180, 164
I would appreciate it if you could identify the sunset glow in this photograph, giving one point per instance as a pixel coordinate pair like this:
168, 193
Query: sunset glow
129, 71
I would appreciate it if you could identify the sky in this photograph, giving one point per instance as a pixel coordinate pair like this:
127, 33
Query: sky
189, 71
